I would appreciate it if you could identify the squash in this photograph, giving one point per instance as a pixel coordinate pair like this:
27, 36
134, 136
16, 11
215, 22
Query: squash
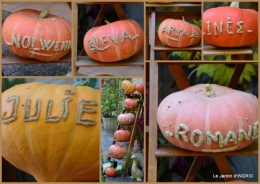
209, 118
178, 33
52, 131
39, 35
126, 118
110, 172
230, 26
128, 86
117, 151
115, 41
130, 103
122, 135
139, 88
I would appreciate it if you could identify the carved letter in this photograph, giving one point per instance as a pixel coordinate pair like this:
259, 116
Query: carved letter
65, 108
13, 114
192, 138
216, 138
82, 110
239, 24
219, 28
231, 137
48, 113
183, 133
37, 110
114, 40
28, 42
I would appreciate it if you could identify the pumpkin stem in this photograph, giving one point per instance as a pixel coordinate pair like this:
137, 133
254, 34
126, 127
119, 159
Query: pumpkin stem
183, 18
44, 13
210, 92
106, 21
234, 4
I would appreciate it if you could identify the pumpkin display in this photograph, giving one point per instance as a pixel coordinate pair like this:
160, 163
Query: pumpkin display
126, 118
117, 151
178, 33
122, 135
128, 86
209, 118
130, 103
230, 26
139, 88
115, 41
40, 35
52, 131
110, 172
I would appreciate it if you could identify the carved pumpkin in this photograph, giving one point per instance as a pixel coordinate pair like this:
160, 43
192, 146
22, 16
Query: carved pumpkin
230, 26
110, 172
117, 151
130, 103
115, 41
200, 119
52, 131
178, 33
126, 118
128, 86
139, 88
32, 34
122, 135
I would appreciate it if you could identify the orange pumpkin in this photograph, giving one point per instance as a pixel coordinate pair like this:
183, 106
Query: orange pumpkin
126, 119
178, 33
115, 41
122, 135
32, 34
52, 131
117, 151
130, 103
209, 118
139, 88
230, 26
128, 86
110, 172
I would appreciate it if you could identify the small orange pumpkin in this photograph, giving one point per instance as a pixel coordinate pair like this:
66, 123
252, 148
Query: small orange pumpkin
115, 41
110, 172
139, 88
117, 151
51, 131
128, 86
209, 118
39, 35
178, 33
130, 103
126, 118
122, 135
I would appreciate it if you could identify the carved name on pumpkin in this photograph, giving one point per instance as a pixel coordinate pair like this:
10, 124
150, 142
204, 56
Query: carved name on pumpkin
27, 42
178, 32
218, 27
48, 118
182, 131
94, 42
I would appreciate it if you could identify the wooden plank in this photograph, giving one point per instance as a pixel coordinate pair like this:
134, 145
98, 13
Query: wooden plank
119, 11
236, 75
179, 76
176, 15
153, 128
170, 150
173, 5
209, 50
9, 58
223, 166
152, 34
86, 61
166, 48
194, 169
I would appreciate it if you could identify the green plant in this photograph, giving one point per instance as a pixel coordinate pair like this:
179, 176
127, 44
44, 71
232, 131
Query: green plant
112, 97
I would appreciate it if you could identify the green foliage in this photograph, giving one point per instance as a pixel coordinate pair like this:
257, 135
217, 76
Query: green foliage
10, 82
186, 55
112, 96
222, 73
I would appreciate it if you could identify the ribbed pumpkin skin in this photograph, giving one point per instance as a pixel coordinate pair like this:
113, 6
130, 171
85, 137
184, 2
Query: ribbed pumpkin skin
236, 15
128, 86
175, 39
230, 110
126, 118
122, 135
119, 49
27, 24
52, 151
117, 151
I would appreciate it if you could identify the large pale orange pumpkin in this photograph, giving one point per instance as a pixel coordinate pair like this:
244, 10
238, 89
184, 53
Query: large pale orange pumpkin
230, 26
30, 34
200, 119
178, 33
52, 131
115, 41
